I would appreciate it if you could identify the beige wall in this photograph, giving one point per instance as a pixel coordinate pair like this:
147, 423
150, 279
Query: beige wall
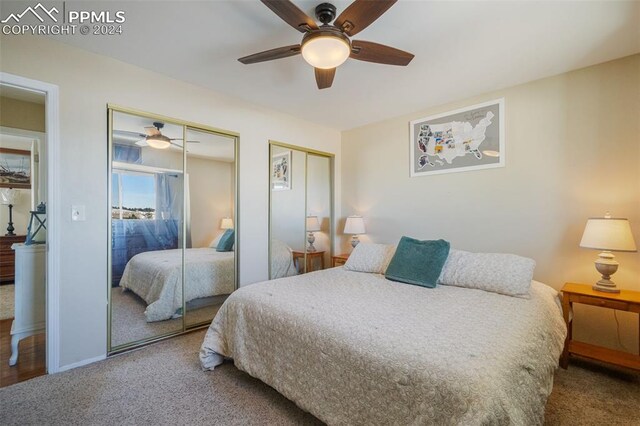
210, 193
21, 115
573, 151
87, 82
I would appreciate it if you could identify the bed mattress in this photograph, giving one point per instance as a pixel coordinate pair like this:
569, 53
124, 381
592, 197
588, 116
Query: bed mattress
156, 276
355, 348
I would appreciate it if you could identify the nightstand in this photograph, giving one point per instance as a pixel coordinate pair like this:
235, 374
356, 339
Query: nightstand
626, 300
339, 259
311, 255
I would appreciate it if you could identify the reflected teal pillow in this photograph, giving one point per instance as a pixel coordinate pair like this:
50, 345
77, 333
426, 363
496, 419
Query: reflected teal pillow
418, 262
226, 241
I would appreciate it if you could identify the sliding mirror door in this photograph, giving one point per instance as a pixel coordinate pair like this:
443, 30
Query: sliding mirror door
319, 214
173, 226
147, 201
301, 213
210, 255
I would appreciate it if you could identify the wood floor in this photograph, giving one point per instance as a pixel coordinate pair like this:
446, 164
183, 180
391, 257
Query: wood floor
32, 359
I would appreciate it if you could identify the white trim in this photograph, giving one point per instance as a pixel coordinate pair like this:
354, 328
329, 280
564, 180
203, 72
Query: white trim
81, 363
52, 137
501, 135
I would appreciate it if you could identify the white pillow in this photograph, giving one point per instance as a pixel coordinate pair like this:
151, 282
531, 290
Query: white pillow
216, 240
507, 274
369, 257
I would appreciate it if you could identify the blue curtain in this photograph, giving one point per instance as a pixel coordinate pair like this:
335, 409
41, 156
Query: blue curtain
130, 237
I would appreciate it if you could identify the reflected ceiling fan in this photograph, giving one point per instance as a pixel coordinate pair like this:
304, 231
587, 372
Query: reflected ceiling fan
327, 46
153, 137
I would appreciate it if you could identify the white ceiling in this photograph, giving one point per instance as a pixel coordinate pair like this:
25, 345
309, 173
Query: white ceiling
462, 49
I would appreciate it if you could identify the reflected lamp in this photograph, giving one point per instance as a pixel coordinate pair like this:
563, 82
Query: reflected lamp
312, 225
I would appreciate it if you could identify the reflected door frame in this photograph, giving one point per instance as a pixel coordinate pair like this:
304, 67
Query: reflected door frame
332, 224
186, 125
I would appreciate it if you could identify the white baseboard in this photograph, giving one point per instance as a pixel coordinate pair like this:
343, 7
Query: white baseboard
81, 363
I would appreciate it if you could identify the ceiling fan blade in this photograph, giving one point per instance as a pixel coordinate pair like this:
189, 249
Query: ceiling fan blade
270, 55
291, 14
127, 134
151, 131
324, 78
379, 53
142, 142
179, 139
360, 14
176, 144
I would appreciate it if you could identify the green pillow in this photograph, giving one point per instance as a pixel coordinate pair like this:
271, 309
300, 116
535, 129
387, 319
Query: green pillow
226, 241
418, 262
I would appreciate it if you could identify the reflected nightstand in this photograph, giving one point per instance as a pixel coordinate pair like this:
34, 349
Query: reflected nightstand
298, 257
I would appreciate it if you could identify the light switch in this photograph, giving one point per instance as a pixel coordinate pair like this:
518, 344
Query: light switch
78, 213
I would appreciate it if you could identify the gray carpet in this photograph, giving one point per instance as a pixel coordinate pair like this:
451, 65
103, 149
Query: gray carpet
163, 384
128, 323
6, 301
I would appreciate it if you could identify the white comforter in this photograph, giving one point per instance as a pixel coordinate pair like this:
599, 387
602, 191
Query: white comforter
156, 276
354, 348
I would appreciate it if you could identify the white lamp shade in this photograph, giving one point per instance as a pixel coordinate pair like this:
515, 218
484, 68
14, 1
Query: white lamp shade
8, 196
610, 234
313, 224
354, 225
226, 223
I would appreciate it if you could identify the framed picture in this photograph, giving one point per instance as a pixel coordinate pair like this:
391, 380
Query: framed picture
470, 138
15, 168
281, 171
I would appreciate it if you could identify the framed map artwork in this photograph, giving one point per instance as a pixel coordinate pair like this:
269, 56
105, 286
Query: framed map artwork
470, 138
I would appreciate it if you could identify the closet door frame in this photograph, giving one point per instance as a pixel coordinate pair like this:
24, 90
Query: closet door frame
111, 108
332, 225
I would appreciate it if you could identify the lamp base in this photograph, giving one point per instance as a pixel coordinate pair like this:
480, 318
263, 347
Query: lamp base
354, 241
607, 266
311, 239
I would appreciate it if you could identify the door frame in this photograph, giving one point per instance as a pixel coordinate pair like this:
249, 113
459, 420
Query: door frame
52, 140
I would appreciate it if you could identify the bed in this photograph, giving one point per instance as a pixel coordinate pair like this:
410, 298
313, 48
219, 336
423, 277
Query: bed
156, 276
355, 348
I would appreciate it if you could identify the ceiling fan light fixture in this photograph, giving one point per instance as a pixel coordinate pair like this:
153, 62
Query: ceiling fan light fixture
158, 142
325, 51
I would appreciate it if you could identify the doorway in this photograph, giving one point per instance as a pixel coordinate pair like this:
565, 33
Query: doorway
24, 196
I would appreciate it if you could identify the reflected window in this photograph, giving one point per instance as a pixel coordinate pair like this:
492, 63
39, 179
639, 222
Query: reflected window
134, 196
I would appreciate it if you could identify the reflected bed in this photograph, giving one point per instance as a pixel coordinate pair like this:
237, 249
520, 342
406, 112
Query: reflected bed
156, 276
355, 348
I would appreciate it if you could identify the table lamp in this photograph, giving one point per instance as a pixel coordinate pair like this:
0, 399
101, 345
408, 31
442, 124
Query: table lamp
8, 197
607, 234
354, 226
313, 225
226, 223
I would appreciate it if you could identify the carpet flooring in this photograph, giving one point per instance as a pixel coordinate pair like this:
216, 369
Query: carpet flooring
128, 323
163, 384
7, 293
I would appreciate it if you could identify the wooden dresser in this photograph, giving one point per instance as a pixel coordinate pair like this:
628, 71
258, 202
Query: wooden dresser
8, 256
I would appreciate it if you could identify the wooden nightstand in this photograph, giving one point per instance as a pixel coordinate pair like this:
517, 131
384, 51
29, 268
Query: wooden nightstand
311, 255
626, 300
339, 259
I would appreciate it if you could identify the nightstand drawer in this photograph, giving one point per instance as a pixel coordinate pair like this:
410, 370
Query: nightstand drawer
605, 303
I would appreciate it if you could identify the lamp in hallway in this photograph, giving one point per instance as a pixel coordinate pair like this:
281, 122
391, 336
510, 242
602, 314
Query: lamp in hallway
313, 225
607, 234
8, 197
354, 226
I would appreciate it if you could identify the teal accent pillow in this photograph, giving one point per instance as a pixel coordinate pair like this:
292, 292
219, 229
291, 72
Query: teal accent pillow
226, 241
418, 262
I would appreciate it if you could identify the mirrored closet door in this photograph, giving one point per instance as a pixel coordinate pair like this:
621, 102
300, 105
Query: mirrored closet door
301, 210
172, 226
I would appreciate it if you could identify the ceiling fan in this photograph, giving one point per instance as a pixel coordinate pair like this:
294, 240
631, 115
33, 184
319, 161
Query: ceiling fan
327, 46
152, 137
